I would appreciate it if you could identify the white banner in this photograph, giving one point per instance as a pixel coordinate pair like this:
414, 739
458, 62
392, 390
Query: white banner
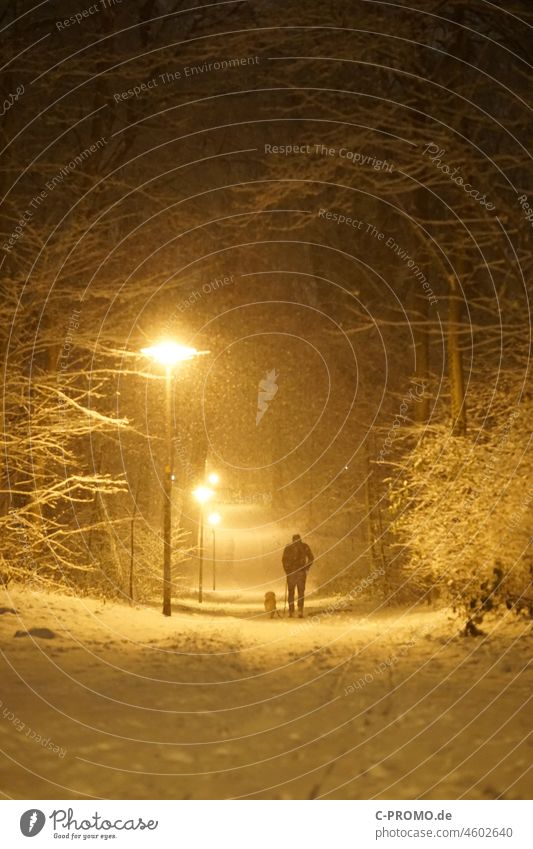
267, 824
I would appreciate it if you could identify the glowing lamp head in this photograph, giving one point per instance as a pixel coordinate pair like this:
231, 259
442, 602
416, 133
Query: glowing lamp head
169, 353
213, 479
203, 494
214, 519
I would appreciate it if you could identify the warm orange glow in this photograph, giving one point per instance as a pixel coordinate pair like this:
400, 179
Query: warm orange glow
169, 353
203, 494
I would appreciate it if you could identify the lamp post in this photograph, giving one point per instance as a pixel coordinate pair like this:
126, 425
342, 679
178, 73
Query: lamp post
202, 495
168, 354
214, 520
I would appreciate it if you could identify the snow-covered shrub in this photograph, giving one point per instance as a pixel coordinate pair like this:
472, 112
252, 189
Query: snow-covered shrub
460, 508
147, 563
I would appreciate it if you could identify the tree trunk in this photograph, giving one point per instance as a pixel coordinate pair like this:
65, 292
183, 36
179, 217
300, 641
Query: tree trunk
132, 535
420, 310
455, 361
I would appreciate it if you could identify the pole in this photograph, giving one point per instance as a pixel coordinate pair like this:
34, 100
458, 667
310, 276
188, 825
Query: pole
214, 564
201, 563
167, 498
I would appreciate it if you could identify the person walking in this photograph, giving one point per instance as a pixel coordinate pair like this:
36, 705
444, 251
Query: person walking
297, 560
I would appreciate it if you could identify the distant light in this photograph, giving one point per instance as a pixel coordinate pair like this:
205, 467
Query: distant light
213, 478
203, 494
169, 353
214, 518
172, 477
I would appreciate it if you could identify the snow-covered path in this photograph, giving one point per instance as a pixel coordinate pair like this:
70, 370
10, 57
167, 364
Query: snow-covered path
124, 703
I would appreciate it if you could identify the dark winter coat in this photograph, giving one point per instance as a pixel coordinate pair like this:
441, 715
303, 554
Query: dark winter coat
296, 556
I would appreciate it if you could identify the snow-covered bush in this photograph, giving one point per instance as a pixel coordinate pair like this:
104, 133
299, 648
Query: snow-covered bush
460, 508
49, 487
147, 563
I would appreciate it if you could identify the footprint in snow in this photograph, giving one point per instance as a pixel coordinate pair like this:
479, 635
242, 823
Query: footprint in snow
43, 633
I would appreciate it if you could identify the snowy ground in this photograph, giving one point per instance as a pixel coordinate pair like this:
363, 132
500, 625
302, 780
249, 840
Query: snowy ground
124, 703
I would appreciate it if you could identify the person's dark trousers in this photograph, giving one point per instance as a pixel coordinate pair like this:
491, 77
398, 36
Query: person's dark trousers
296, 580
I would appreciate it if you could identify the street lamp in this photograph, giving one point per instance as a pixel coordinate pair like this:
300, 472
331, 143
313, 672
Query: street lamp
214, 520
168, 354
202, 495
213, 479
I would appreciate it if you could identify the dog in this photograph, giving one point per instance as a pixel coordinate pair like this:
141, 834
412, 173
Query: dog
270, 605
